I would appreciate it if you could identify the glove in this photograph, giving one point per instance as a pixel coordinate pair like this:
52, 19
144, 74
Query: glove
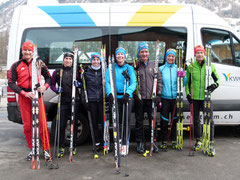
125, 98
189, 99
157, 99
59, 90
110, 99
181, 74
212, 87
77, 84
137, 101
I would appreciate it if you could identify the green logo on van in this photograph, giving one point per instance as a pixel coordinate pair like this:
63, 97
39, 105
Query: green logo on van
231, 78
226, 76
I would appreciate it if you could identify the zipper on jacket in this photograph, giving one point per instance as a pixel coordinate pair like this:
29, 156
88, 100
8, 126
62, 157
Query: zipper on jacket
200, 89
29, 78
96, 75
145, 70
171, 81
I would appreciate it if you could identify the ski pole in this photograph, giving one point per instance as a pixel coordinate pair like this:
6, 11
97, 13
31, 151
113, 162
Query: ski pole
191, 149
57, 128
171, 123
127, 140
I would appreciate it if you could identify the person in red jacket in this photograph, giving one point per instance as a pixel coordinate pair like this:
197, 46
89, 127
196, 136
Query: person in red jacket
20, 81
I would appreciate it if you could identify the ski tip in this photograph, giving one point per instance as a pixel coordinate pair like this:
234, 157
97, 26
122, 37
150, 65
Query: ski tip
96, 156
38, 163
38, 167
33, 163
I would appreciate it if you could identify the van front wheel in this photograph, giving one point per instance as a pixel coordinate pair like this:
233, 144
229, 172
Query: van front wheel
83, 130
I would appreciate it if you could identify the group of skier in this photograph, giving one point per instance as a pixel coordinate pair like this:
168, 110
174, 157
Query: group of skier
126, 87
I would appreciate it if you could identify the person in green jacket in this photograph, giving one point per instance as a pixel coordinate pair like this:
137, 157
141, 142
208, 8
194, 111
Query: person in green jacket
198, 85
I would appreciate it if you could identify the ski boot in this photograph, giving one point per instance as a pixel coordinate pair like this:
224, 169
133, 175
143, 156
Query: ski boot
211, 150
29, 156
61, 152
197, 145
46, 155
163, 146
140, 147
74, 151
155, 148
174, 145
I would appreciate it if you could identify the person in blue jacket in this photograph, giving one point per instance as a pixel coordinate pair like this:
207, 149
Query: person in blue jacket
121, 68
169, 94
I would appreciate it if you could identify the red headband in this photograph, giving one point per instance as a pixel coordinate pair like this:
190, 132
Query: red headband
28, 45
199, 48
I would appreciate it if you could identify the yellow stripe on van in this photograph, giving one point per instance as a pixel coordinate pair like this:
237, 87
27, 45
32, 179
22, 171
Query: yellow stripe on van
153, 15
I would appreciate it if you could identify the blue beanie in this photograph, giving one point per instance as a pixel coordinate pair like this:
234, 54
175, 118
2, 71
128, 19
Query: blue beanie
141, 46
170, 51
96, 54
120, 50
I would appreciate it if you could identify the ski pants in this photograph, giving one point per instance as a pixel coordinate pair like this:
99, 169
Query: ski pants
140, 109
25, 105
65, 115
197, 106
127, 117
96, 110
167, 108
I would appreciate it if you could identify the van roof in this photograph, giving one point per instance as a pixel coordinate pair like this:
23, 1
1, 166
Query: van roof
97, 14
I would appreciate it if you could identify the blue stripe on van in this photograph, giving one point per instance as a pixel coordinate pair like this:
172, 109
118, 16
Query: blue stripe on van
68, 15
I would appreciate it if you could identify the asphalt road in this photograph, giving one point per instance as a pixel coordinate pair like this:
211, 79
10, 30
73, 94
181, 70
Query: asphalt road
164, 165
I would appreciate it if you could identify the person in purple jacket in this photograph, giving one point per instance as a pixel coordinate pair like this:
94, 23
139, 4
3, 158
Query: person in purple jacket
66, 98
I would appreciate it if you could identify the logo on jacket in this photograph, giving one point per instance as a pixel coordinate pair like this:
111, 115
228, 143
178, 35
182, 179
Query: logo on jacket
22, 68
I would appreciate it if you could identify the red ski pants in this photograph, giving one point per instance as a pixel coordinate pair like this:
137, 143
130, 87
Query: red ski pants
25, 105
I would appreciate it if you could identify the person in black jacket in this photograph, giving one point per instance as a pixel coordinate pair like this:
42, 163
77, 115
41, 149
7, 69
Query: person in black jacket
66, 99
93, 79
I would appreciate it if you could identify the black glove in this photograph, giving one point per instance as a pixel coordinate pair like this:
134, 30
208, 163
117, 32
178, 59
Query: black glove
189, 99
212, 87
157, 99
110, 99
137, 101
125, 98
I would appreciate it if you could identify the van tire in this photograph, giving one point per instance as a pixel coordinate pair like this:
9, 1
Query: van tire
83, 130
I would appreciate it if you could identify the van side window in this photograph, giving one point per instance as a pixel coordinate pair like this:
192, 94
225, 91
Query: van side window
222, 46
53, 42
169, 37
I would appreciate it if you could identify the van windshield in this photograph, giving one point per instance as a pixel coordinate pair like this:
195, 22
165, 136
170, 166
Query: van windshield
53, 42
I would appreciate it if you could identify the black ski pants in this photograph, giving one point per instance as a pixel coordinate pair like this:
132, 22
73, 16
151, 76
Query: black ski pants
197, 106
127, 117
96, 110
167, 108
140, 109
65, 115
